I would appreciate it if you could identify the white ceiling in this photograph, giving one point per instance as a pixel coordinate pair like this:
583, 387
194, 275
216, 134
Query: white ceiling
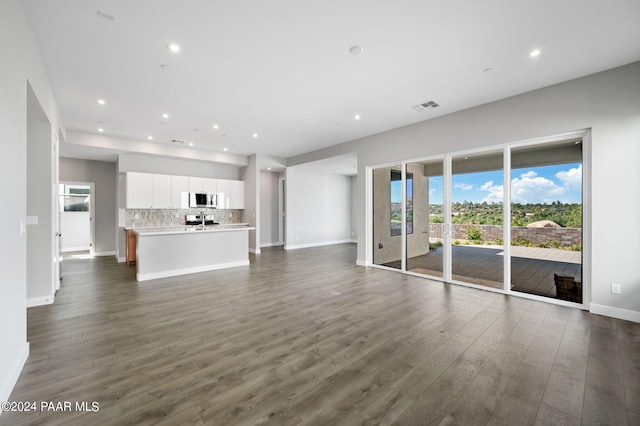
282, 68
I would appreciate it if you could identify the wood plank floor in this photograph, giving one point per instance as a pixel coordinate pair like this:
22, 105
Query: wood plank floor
308, 337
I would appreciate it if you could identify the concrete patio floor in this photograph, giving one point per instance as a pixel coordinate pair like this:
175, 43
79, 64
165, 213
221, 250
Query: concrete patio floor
532, 268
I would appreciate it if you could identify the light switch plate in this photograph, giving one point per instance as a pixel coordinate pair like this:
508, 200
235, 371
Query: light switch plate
616, 289
31, 220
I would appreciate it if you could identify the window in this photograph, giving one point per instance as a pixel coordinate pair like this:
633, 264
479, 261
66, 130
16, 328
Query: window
396, 202
74, 198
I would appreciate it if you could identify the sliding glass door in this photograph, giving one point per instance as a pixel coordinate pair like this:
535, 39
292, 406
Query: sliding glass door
477, 219
424, 246
508, 219
387, 216
546, 220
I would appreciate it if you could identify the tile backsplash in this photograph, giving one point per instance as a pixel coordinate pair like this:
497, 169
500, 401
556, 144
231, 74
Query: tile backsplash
159, 218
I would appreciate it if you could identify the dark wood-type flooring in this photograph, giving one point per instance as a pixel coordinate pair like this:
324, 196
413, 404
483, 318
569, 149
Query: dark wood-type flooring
308, 337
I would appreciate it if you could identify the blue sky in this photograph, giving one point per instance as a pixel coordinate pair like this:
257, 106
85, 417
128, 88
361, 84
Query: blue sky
543, 184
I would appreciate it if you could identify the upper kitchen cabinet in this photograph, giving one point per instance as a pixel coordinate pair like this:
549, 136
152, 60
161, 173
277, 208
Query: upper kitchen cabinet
139, 190
230, 194
161, 192
210, 185
179, 192
196, 184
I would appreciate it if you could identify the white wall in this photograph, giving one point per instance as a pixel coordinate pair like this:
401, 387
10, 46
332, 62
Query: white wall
178, 167
318, 208
40, 197
251, 212
269, 209
22, 63
607, 102
354, 208
103, 175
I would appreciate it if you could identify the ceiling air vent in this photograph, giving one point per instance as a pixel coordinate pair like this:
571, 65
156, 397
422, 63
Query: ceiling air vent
177, 141
426, 105
106, 16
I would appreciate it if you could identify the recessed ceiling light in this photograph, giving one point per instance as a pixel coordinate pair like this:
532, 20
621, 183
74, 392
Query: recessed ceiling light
255, 135
534, 53
216, 127
268, 168
150, 138
165, 115
190, 143
100, 129
356, 49
225, 150
356, 117
174, 48
102, 102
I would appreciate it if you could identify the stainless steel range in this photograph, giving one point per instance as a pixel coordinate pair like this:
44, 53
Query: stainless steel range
196, 219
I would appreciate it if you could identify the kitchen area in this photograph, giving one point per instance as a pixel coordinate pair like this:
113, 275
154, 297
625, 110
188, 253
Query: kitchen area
179, 225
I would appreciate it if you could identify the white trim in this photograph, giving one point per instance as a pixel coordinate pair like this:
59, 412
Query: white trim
175, 272
79, 248
354, 241
7, 387
40, 301
122, 259
254, 251
277, 243
105, 253
623, 314
325, 243
361, 262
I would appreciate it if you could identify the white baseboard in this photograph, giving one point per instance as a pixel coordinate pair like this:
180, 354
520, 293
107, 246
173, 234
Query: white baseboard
40, 301
104, 253
254, 251
15, 370
325, 243
79, 248
609, 311
122, 259
271, 244
175, 272
361, 262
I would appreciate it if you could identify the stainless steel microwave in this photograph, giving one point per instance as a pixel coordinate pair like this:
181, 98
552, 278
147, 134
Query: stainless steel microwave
203, 199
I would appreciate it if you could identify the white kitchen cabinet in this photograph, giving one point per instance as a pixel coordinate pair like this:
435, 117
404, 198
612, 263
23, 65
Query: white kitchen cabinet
230, 194
196, 184
210, 185
161, 192
139, 190
156, 191
179, 192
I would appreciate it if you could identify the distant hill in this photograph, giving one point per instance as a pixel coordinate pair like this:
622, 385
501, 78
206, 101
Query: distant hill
565, 215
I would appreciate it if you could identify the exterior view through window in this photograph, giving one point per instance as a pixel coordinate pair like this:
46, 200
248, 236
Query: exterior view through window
543, 228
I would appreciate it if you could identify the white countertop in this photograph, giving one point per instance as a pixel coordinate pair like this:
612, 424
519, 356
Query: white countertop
190, 229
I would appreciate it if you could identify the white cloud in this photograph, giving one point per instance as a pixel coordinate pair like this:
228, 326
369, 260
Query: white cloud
496, 192
463, 186
571, 178
531, 188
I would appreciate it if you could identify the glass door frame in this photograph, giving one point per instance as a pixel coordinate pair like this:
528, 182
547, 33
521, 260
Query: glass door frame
506, 148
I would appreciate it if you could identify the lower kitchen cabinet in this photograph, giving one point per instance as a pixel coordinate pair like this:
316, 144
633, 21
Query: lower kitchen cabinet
132, 240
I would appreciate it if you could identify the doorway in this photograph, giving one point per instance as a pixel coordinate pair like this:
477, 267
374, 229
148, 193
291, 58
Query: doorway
76, 207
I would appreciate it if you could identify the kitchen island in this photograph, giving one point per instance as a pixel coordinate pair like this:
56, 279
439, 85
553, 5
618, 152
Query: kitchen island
167, 252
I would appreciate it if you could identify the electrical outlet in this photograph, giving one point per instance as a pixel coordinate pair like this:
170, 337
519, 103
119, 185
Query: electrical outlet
616, 289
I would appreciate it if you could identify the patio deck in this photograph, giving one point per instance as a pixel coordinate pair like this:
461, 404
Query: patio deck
532, 268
